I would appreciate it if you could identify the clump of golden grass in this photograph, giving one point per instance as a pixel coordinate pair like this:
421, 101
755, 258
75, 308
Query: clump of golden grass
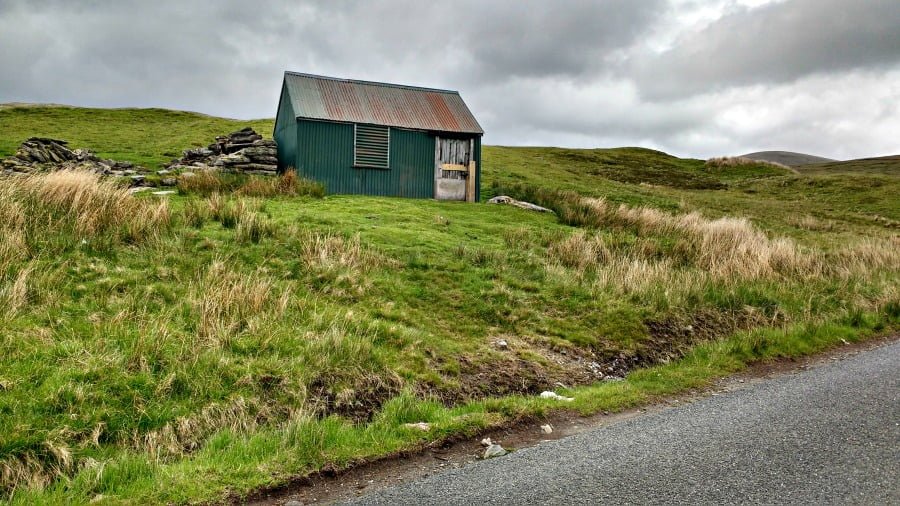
723, 250
41, 205
227, 211
249, 225
289, 184
725, 247
36, 468
580, 251
737, 161
809, 222
253, 227
227, 301
334, 251
202, 182
208, 182
866, 256
14, 295
195, 213
185, 434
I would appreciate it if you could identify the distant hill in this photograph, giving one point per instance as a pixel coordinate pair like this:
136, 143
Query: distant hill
886, 165
787, 158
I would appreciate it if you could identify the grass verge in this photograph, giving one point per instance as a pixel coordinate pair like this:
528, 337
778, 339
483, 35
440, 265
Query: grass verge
233, 464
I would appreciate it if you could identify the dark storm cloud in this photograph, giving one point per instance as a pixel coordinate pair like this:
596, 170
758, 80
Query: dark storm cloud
126, 53
565, 72
777, 43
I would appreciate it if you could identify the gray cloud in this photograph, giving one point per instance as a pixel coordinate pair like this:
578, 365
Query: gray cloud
566, 73
774, 44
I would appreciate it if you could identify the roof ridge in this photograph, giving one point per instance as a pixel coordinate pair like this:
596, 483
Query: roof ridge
372, 83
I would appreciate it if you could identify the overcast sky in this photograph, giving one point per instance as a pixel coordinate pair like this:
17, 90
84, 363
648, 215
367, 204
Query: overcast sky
691, 77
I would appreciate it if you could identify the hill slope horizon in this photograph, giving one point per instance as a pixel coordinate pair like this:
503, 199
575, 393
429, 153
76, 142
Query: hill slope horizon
789, 158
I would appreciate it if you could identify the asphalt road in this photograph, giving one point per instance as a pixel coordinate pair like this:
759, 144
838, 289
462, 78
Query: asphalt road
826, 435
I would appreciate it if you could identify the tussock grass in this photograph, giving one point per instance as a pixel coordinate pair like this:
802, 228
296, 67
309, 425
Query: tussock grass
70, 206
187, 433
327, 251
201, 182
209, 182
727, 248
706, 252
228, 211
580, 251
227, 302
288, 184
723, 162
241, 214
811, 223
253, 227
196, 213
14, 295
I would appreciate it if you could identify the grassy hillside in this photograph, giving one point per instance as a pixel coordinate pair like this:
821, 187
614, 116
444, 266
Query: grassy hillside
181, 349
885, 165
150, 137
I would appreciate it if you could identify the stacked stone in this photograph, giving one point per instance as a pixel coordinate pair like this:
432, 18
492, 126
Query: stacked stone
42, 153
244, 151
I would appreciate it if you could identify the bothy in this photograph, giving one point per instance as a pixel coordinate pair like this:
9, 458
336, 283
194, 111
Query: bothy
379, 139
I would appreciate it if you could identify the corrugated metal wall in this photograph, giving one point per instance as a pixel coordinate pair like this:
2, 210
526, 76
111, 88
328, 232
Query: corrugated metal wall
477, 168
326, 154
285, 131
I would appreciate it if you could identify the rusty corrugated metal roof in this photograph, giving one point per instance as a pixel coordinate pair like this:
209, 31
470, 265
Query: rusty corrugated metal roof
331, 99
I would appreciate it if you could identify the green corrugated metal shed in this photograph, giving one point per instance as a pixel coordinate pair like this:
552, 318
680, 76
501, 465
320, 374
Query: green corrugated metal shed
379, 139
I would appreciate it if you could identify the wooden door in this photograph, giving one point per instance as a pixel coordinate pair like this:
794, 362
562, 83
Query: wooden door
452, 169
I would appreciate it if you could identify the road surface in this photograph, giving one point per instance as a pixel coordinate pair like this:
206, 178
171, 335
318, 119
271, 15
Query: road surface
826, 435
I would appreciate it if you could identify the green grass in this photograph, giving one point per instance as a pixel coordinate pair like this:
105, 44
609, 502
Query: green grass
152, 138
243, 339
886, 165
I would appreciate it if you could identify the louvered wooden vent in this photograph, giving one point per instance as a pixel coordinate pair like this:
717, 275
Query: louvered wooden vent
372, 146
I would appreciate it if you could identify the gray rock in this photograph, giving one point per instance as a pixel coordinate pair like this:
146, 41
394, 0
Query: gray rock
494, 450
503, 199
168, 181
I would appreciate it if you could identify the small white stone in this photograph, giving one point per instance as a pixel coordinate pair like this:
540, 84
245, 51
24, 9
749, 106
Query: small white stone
547, 429
553, 395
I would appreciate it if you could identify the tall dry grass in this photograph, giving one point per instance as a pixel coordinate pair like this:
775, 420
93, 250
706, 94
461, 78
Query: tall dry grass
737, 161
228, 302
723, 251
580, 251
208, 182
326, 251
288, 183
79, 205
14, 293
